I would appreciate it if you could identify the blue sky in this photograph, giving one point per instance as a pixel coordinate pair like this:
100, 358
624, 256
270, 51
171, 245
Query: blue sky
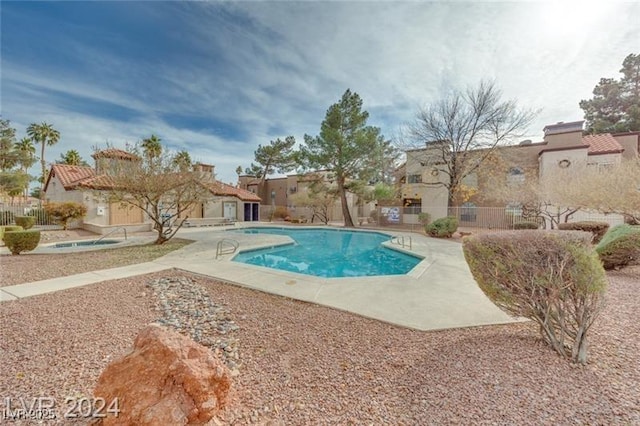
218, 79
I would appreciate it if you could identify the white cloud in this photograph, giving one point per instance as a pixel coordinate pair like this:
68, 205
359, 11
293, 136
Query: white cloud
268, 70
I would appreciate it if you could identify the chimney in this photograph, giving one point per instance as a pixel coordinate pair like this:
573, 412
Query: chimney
563, 134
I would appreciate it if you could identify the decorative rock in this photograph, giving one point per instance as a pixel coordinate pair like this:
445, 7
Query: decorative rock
187, 308
167, 380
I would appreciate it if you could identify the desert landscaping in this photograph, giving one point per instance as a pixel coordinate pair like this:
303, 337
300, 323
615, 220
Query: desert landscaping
299, 363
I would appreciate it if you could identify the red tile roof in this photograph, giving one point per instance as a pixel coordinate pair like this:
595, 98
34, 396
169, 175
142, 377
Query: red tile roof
602, 144
98, 182
73, 177
219, 188
68, 175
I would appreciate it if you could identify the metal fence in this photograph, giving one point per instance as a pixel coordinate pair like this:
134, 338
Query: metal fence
8, 213
409, 218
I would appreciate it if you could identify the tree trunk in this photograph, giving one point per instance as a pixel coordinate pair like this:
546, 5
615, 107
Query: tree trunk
161, 239
348, 222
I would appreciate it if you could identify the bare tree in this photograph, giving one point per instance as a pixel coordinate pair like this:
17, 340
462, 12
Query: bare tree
459, 132
158, 185
319, 198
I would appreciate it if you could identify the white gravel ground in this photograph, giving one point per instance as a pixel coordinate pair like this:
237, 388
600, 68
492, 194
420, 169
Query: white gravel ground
307, 364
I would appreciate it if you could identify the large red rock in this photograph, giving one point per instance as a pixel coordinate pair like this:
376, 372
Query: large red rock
168, 379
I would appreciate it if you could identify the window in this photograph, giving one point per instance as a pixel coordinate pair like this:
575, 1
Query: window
414, 178
515, 175
468, 212
412, 206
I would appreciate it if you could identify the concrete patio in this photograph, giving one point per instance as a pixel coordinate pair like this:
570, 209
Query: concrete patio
438, 293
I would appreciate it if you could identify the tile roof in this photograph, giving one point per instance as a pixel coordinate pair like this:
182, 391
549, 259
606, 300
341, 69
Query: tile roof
602, 144
70, 176
97, 182
219, 188
73, 177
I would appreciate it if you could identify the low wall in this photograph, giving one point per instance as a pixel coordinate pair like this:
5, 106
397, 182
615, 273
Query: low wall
105, 229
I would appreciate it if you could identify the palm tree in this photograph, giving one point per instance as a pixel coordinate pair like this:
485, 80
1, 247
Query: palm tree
26, 157
152, 147
183, 160
72, 158
45, 135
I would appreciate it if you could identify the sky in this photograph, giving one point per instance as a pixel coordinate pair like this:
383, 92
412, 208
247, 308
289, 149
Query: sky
220, 78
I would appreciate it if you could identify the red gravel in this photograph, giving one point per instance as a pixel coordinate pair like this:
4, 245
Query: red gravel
307, 364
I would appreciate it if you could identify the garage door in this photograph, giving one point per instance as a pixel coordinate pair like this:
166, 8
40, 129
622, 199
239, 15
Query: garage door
124, 215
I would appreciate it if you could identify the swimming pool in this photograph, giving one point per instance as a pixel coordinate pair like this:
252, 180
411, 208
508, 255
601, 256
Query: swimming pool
329, 253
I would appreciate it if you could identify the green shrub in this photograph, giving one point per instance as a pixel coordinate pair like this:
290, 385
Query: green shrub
597, 229
19, 241
620, 247
41, 216
26, 222
8, 228
62, 213
526, 225
6, 218
553, 278
443, 227
424, 218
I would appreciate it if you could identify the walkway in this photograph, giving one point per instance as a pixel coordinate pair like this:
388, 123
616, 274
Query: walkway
439, 293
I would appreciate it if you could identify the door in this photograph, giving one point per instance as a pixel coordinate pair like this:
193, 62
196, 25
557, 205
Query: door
247, 212
124, 215
230, 210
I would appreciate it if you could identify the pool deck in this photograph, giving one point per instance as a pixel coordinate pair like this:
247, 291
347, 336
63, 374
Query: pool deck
439, 293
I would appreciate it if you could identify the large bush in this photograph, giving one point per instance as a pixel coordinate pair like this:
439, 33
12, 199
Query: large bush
6, 218
620, 247
19, 241
62, 213
444, 227
8, 228
26, 222
597, 229
553, 278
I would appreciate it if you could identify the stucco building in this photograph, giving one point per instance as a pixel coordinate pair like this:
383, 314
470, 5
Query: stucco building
564, 146
85, 185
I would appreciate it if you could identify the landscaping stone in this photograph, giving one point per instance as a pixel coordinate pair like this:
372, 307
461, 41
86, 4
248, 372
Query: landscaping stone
167, 380
187, 308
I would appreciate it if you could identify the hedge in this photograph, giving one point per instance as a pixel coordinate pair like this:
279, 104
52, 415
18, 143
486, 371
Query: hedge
8, 228
598, 229
443, 227
551, 277
19, 241
526, 225
620, 247
26, 222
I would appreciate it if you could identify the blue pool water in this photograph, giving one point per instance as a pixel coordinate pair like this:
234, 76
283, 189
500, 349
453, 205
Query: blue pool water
330, 253
90, 243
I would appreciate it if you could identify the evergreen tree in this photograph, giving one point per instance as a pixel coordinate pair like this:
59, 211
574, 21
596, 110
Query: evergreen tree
615, 106
346, 147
